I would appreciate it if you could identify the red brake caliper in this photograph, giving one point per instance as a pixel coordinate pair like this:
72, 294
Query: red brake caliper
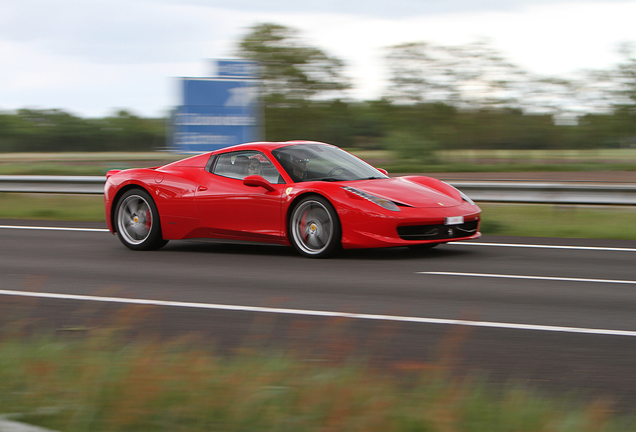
148, 219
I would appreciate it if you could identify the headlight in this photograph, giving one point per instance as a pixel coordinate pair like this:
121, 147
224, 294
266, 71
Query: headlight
382, 202
465, 198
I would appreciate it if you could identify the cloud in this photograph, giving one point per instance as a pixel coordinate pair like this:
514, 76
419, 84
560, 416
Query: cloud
377, 8
116, 31
95, 56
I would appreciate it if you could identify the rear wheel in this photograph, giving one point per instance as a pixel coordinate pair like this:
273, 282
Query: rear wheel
314, 227
137, 221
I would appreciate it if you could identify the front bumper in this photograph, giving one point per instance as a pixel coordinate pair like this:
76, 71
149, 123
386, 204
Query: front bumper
410, 226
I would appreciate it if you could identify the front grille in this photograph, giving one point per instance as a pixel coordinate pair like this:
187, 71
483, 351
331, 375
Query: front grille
438, 232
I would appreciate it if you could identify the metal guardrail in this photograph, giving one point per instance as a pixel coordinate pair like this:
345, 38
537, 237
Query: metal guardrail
53, 184
491, 191
549, 193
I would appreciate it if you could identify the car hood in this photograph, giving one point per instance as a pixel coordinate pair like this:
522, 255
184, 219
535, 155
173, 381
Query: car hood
404, 191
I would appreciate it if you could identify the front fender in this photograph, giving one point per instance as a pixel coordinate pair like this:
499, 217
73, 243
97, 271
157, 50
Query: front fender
436, 184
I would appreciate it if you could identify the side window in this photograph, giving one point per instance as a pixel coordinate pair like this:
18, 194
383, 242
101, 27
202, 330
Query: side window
239, 165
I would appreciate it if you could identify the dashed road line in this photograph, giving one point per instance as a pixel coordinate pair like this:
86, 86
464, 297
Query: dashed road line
549, 278
534, 246
512, 245
317, 313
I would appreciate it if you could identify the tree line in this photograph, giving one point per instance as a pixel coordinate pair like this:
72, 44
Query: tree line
54, 130
439, 97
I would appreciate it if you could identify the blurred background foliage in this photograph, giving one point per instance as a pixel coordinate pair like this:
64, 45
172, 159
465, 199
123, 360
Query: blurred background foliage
53, 130
438, 98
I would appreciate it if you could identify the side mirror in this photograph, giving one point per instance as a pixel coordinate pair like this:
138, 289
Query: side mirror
383, 171
258, 181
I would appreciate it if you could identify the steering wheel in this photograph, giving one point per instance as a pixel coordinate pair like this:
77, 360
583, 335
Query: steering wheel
336, 169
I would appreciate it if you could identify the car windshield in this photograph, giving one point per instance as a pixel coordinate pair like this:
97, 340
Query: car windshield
319, 162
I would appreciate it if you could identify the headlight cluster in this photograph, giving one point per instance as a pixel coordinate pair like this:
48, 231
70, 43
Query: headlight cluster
463, 195
382, 202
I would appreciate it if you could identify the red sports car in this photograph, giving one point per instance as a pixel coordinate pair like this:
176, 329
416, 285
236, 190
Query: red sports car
313, 196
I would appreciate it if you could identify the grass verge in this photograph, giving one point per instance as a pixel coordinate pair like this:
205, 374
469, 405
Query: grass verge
503, 167
80, 163
99, 383
498, 219
537, 220
80, 208
446, 161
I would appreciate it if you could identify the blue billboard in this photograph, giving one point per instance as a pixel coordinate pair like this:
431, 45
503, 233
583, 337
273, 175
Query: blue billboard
235, 69
218, 112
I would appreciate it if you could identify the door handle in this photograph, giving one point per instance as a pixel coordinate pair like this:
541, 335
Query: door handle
201, 189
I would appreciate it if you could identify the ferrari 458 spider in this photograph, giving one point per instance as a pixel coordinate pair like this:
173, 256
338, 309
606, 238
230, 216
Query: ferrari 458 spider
313, 196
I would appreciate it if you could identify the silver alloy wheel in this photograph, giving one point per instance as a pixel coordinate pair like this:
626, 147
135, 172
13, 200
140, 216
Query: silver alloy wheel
134, 219
312, 227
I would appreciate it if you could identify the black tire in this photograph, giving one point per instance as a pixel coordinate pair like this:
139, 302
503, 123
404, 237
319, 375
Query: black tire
314, 227
137, 221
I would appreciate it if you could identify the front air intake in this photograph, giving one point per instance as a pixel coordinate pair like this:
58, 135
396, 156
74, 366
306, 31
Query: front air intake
438, 232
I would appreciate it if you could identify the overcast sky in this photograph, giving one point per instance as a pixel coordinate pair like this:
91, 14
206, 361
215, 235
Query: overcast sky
93, 57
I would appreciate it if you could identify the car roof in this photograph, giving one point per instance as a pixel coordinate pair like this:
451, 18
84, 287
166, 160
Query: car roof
267, 145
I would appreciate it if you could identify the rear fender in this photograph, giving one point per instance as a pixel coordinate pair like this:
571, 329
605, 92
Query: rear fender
113, 203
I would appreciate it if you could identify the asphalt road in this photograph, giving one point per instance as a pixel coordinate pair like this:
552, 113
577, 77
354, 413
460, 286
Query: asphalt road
558, 318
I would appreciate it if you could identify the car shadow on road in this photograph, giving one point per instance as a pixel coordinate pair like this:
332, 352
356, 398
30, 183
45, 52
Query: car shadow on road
214, 247
259, 249
403, 253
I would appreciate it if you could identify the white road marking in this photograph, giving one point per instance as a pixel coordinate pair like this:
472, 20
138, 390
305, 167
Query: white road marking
513, 245
238, 308
53, 228
502, 276
518, 245
14, 426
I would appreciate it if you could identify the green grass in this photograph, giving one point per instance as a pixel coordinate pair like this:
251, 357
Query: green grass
88, 208
447, 161
543, 155
79, 163
498, 219
468, 155
89, 156
573, 154
98, 383
507, 160
57, 168
559, 221
406, 167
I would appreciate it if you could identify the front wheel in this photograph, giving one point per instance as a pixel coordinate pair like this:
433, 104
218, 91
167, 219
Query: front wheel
314, 228
137, 220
